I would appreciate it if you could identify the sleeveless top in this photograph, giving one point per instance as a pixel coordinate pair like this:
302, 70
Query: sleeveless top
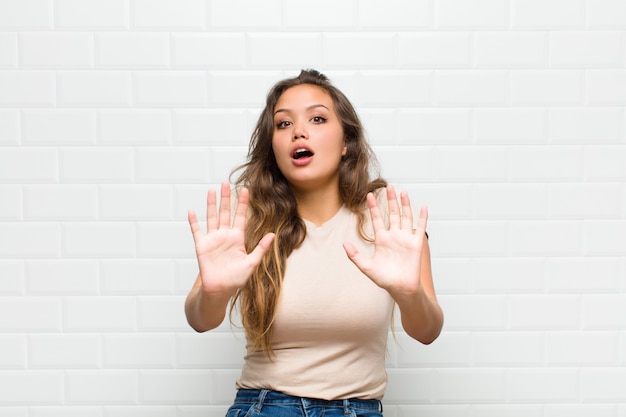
330, 333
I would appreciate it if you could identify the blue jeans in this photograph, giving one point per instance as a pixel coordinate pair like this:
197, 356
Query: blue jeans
266, 403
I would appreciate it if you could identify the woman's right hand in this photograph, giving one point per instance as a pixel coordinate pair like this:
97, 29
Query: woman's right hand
224, 263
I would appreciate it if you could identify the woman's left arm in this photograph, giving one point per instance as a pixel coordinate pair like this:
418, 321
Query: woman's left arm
420, 313
401, 265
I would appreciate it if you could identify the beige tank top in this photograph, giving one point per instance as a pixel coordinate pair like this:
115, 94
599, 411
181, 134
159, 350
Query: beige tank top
330, 333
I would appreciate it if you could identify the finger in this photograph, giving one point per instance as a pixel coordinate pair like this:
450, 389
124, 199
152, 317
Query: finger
211, 213
407, 213
377, 220
196, 232
394, 209
356, 258
242, 209
224, 216
422, 221
261, 249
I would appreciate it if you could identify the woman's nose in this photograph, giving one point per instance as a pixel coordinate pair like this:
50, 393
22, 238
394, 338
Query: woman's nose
299, 132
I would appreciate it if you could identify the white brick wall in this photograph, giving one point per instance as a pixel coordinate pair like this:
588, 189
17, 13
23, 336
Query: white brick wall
506, 117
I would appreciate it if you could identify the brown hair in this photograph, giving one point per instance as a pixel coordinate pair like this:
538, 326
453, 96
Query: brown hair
272, 205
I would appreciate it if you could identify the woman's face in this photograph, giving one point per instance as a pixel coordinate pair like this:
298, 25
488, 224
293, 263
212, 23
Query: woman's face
308, 139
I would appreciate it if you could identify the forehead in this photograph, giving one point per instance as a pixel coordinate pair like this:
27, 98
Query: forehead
303, 96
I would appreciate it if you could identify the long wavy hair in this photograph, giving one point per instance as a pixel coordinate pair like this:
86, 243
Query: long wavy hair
273, 208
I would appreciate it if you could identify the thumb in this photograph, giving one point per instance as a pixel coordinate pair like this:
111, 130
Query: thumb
355, 256
261, 249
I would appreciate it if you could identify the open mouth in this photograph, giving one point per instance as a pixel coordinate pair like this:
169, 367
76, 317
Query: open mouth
301, 153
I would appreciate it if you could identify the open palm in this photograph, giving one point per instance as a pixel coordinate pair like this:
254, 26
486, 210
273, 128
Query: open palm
224, 263
395, 263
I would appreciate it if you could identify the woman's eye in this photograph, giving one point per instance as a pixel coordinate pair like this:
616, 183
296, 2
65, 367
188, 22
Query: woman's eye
283, 124
318, 119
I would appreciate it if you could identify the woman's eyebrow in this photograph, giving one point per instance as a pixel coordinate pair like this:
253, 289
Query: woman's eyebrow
312, 106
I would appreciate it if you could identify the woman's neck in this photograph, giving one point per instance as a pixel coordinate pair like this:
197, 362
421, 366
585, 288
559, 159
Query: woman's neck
318, 206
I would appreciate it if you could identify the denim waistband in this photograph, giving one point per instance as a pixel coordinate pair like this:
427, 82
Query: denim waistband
260, 397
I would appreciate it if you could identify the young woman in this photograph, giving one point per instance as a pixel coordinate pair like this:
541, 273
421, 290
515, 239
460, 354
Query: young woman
315, 254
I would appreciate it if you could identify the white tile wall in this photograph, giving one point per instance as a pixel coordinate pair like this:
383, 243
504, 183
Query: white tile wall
506, 117
28, 15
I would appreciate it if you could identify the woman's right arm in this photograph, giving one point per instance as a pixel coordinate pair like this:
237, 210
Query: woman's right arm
223, 262
205, 311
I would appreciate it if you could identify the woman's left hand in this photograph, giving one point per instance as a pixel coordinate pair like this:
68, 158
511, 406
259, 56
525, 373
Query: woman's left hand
396, 262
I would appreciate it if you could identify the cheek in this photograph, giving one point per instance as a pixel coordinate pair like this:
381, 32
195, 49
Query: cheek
280, 136
280, 148
276, 144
